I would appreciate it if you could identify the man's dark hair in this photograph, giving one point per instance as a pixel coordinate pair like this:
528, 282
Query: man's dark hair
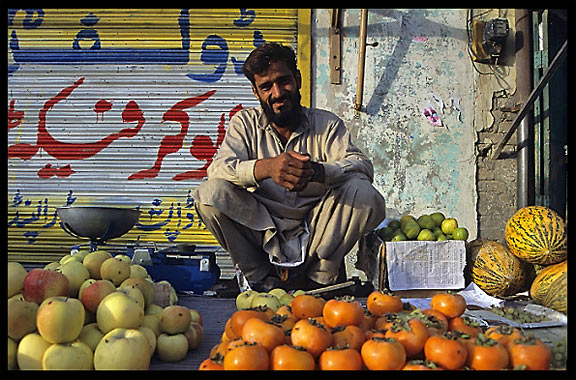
260, 58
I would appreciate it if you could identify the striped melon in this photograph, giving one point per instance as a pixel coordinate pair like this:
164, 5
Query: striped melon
537, 235
550, 287
497, 271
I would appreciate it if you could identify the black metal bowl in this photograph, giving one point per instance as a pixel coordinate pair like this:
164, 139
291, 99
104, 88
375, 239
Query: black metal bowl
96, 222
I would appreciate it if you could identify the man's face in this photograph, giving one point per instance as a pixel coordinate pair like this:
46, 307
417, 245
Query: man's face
279, 94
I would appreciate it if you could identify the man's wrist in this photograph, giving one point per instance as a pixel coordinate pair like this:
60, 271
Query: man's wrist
318, 175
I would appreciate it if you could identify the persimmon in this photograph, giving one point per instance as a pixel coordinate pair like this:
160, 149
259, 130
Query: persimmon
268, 334
247, 356
343, 311
529, 353
379, 303
367, 321
374, 333
383, 354
385, 321
446, 351
450, 304
504, 334
348, 336
487, 354
421, 365
438, 321
465, 325
288, 357
340, 359
314, 337
307, 306
285, 321
211, 364
238, 319
412, 334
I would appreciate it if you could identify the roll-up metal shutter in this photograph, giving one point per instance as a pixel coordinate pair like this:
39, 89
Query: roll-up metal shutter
125, 107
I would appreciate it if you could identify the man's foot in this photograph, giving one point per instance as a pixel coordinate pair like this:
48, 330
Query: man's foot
269, 283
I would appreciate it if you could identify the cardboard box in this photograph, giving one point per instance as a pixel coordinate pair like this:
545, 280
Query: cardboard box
406, 267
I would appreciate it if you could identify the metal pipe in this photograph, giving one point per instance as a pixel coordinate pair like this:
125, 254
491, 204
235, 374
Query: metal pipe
525, 138
361, 61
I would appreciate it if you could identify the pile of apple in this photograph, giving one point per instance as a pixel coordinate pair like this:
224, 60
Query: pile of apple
93, 310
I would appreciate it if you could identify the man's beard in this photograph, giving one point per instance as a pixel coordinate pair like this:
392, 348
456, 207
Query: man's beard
287, 117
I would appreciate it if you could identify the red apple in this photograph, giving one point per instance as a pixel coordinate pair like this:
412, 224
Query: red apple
40, 284
94, 293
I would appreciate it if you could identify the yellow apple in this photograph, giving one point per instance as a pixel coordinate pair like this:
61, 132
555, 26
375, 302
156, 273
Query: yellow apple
124, 258
16, 275
93, 261
123, 349
60, 319
12, 347
40, 284
143, 285
171, 347
154, 309
194, 335
66, 356
118, 310
114, 270
82, 253
95, 292
265, 299
175, 319
137, 270
244, 299
133, 293
152, 321
91, 335
151, 338
21, 317
195, 316
67, 258
52, 266
76, 273
30, 351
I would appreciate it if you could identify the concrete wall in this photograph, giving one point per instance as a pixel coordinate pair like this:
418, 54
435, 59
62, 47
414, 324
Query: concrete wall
420, 64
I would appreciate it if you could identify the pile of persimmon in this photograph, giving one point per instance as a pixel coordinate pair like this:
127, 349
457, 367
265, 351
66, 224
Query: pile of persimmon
342, 334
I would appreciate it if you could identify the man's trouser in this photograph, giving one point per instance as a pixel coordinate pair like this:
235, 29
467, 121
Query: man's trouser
342, 217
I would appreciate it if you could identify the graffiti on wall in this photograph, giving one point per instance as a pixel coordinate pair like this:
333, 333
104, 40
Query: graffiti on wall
202, 56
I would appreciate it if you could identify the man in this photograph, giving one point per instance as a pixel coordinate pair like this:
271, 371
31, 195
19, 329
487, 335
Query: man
288, 194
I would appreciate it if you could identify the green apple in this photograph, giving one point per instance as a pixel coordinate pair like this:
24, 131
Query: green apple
93, 261
175, 319
16, 275
123, 349
267, 300
448, 225
138, 271
298, 292
143, 285
21, 317
91, 335
81, 254
171, 347
152, 321
69, 257
115, 270
244, 299
40, 284
60, 319
118, 310
194, 334
133, 293
68, 356
12, 348
277, 292
95, 292
76, 273
151, 338
30, 351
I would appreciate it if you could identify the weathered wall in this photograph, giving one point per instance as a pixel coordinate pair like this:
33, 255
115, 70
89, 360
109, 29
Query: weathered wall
420, 64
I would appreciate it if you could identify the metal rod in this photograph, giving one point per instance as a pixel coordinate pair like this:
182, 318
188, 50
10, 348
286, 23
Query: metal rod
361, 61
558, 59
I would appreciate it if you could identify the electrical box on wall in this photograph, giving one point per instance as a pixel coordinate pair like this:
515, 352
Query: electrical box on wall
488, 38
